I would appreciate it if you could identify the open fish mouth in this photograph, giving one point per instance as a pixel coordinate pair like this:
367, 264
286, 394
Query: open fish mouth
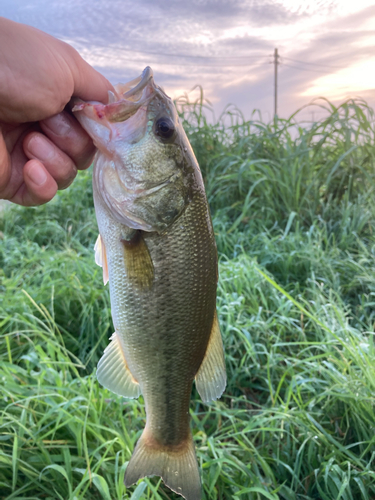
132, 96
126, 100
133, 90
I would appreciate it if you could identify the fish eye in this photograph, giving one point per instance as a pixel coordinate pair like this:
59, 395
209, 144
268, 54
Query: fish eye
164, 128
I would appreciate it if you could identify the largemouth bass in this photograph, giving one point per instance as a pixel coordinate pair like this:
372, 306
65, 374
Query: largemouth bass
157, 249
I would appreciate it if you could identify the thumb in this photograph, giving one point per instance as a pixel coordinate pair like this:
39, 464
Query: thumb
89, 84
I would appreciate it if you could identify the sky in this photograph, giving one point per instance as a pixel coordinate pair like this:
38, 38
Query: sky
326, 48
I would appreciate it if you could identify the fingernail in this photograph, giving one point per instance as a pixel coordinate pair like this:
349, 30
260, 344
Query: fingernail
37, 174
58, 124
41, 148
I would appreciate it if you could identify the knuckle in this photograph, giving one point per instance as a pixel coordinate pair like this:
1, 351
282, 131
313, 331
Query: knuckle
85, 160
66, 175
32, 199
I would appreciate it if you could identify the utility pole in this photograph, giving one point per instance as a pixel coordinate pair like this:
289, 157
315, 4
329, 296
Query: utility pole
276, 62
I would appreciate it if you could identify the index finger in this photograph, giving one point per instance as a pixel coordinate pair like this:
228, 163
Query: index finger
4, 164
68, 135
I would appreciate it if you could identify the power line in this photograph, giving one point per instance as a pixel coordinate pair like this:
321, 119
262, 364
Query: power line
190, 56
192, 64
257, 57
312, 64
206, 65
277, 62
208, 58
307, 69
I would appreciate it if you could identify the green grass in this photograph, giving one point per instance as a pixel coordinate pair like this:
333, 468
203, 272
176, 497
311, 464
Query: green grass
294, 217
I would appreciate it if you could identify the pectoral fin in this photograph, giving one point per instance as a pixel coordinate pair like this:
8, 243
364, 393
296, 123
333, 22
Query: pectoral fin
211, 378
138, 262
113, 371
101, 257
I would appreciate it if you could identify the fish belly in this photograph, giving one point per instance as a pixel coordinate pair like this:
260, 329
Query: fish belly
165, 326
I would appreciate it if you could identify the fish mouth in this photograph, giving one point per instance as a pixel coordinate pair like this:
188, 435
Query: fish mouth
131, 96
127, 99
135, 87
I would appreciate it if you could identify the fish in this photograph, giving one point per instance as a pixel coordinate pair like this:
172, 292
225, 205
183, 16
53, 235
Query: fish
157, 249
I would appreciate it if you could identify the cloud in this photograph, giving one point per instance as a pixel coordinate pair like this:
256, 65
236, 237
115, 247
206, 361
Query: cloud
229, 43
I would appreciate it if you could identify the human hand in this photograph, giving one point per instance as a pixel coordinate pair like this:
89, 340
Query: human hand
41, 145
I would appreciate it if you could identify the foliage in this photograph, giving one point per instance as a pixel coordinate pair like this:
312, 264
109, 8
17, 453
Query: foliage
294, 214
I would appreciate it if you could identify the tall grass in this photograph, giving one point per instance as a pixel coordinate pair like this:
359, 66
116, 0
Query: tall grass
268, 171
294, 216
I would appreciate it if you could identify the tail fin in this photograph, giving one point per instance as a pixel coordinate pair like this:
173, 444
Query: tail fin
177, 466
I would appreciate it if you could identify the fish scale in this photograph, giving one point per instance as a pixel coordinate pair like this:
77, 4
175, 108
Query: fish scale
157, 249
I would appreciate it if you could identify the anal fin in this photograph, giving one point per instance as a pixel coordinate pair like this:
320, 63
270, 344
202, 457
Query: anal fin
101, 257
211, 378
113, 371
